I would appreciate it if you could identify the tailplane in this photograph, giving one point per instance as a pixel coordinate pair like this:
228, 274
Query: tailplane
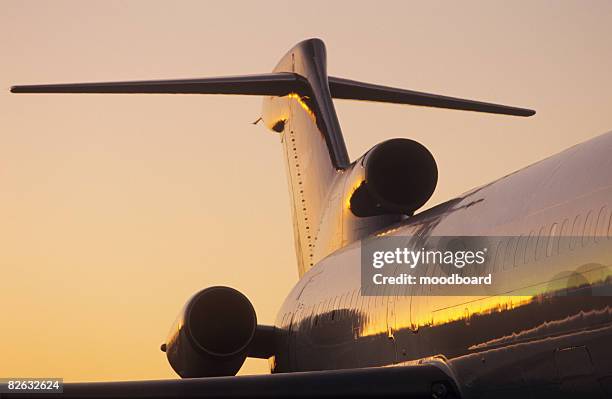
298, 105
277, 84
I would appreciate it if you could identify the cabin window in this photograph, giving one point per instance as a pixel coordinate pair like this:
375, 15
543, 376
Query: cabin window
510, 250
587, 233
324, 310
297, 317
347, 303
310, 316
365, 301
521, 246
359, 301
553, 240
347, 300
354, 296
499, 256
531, 247
336, 308
601, 226
316, 311
430, 273
333, 305
371, 303
542, 243
577, 229
355, 300
564, 236
289, 321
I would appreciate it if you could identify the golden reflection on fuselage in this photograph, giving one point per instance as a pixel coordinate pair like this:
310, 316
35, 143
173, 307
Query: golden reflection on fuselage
430, 311
302, 101
351, 191
388, 232
466, 308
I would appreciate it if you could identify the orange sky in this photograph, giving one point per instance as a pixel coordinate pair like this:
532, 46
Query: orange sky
114, 209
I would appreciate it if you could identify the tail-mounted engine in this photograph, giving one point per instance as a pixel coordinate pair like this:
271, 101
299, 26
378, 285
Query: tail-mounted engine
214, 333
396, 176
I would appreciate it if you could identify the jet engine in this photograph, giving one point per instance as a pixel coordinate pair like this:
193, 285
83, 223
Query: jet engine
396, 176
214, 334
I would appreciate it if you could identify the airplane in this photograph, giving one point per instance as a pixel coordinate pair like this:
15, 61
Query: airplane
331, 336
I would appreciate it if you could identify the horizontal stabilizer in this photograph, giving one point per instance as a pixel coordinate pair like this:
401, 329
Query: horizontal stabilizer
269, 84
277, 84
353, 90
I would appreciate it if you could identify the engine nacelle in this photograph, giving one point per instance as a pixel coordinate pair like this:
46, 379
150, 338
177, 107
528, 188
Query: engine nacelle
397, 176
212, 334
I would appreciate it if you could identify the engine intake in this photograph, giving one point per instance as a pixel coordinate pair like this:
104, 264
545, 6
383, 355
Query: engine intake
212, 334
400, 175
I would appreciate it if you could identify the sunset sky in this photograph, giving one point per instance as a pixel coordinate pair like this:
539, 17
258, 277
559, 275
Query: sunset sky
114, 209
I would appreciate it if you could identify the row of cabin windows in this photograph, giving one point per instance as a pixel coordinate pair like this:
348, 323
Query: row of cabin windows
552, 240
558, 238
338, 308
510, 252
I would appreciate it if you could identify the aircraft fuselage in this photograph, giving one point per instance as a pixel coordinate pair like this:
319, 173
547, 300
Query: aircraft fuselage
561, 336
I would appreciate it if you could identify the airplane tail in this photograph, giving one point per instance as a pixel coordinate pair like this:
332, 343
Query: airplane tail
298, 105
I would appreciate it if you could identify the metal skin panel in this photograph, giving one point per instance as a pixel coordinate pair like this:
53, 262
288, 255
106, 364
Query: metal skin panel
495, 345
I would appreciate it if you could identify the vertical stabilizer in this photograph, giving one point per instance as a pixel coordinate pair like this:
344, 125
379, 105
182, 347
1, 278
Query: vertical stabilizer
313, 146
